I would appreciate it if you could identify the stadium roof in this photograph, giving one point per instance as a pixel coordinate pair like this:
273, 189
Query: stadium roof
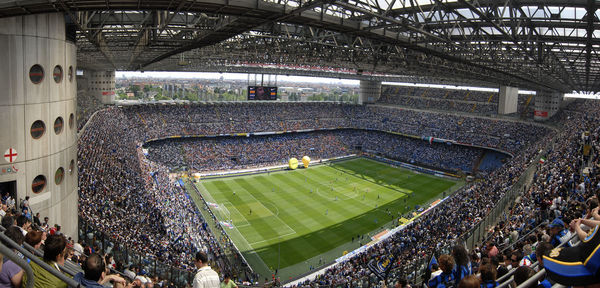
544, 44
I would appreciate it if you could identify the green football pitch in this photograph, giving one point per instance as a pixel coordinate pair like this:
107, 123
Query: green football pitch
293, 220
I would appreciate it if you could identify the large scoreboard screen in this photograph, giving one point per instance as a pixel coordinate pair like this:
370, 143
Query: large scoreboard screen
262, 93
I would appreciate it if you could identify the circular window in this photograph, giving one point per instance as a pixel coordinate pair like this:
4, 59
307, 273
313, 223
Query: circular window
38, 184
36, 74
57, 74
59, 175
58, 125
71, 121
70, 74
37, 129
71, 167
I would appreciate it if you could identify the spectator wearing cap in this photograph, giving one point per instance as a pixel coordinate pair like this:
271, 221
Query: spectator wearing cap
558, 232
78, 248
27, 212
142, 277
130, 272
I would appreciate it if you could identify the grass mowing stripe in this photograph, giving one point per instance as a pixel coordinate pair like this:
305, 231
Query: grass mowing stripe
265, 229
318, 235
357, 205
374, 190
291, 251
381, 175
286, 202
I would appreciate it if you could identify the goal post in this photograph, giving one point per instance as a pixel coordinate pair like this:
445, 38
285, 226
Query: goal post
225, 215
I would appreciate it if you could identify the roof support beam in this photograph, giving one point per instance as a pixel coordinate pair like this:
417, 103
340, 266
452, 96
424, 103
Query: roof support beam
205, 40
97, 40
591, 16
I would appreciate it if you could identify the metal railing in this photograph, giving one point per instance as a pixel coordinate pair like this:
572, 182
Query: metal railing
69, 267
542, 224
123, 254
537, 276
22, 263
58, 274
480, 230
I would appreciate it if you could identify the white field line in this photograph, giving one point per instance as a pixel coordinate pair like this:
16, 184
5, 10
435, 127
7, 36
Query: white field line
238, 211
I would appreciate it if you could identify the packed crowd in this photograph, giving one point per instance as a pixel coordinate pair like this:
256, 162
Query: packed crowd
478, 102
230, 153
185, 229
87, 104
39, 237
450, 220
160, 121
441, 93
559, 195
227, 153
134, 202
124, 197
506, 135
440, 99
440, 104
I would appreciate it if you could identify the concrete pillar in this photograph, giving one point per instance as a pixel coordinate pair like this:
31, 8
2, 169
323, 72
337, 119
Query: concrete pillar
102, 85
508, 100
547, 103
370, 91
38, 135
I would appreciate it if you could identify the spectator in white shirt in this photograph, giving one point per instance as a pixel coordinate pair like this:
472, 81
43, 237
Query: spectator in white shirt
206, 277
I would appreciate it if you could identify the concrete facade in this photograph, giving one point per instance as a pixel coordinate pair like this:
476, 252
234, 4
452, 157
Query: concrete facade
37, 111
101, 84
546, 104
370, 91
508, 100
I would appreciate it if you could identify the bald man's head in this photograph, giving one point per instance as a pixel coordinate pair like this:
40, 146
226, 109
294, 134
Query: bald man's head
93, 268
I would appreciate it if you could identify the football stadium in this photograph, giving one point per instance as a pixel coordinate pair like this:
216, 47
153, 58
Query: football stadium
352, 198
260, 143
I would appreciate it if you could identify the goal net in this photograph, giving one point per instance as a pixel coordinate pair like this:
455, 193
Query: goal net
224, 213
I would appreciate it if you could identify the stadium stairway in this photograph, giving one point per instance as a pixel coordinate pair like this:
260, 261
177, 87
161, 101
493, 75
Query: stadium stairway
478, 162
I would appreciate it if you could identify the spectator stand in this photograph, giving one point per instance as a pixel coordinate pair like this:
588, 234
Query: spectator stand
24, 250
121, 253
179, 120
